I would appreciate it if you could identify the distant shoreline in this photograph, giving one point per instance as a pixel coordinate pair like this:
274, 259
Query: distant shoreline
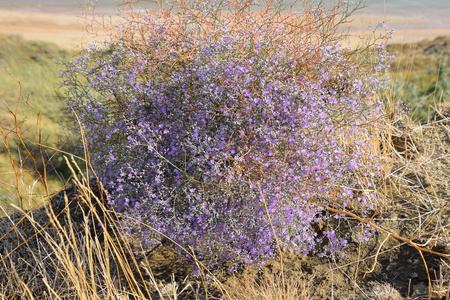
70, 31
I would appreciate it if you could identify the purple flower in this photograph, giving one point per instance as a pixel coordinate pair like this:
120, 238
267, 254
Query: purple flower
195, 135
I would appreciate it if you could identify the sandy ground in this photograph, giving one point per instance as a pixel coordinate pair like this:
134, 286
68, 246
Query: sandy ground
66, 30
405, 30
71, 31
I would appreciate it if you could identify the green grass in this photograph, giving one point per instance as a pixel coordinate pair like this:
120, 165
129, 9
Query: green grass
421, 75
33, 64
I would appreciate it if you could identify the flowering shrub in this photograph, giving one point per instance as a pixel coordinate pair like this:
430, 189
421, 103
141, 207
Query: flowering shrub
202, 130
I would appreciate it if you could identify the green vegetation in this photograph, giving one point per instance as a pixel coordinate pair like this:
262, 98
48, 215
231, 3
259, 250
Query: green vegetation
421, 75
33, 64
30, 66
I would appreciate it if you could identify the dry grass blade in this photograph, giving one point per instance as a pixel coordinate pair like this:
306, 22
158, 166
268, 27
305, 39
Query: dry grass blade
269, 287
61, 252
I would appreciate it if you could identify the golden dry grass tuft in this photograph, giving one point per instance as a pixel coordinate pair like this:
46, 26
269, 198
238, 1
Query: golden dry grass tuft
269, 286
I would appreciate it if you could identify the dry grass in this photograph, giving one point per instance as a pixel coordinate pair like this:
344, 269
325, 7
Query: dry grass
66, 255
269, 287
384, 292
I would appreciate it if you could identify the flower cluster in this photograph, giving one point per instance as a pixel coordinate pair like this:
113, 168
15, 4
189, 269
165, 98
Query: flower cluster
203, 137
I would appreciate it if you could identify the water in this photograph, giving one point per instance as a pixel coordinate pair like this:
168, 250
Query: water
432, 13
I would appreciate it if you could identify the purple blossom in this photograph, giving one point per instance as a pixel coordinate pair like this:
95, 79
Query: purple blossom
189, 145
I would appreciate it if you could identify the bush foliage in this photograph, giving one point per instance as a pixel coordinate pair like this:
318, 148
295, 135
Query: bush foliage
226, 126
